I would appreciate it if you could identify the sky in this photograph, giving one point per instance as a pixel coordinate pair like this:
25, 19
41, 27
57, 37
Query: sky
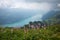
21, 12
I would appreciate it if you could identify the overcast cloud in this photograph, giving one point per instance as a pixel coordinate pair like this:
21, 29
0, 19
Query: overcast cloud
28, 4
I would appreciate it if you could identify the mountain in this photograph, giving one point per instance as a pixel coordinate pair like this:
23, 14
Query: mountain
52, 17
51, 14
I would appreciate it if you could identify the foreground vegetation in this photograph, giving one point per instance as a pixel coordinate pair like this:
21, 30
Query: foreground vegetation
46, 33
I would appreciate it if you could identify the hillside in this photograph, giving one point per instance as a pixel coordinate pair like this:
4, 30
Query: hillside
48, 33
51, 14
52, 17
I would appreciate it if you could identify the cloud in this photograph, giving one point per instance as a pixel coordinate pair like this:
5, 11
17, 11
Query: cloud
24, 4
4, 3
49, 1
58, 5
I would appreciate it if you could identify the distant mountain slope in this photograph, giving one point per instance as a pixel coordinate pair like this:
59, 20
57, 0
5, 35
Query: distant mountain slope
52, 17
51, 14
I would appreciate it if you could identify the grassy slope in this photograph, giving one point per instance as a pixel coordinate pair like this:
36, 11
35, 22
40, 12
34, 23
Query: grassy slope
47, 33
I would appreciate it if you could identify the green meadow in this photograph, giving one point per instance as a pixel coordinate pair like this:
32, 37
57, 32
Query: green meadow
46, 33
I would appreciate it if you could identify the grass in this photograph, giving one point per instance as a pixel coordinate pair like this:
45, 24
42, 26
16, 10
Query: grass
47, 33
